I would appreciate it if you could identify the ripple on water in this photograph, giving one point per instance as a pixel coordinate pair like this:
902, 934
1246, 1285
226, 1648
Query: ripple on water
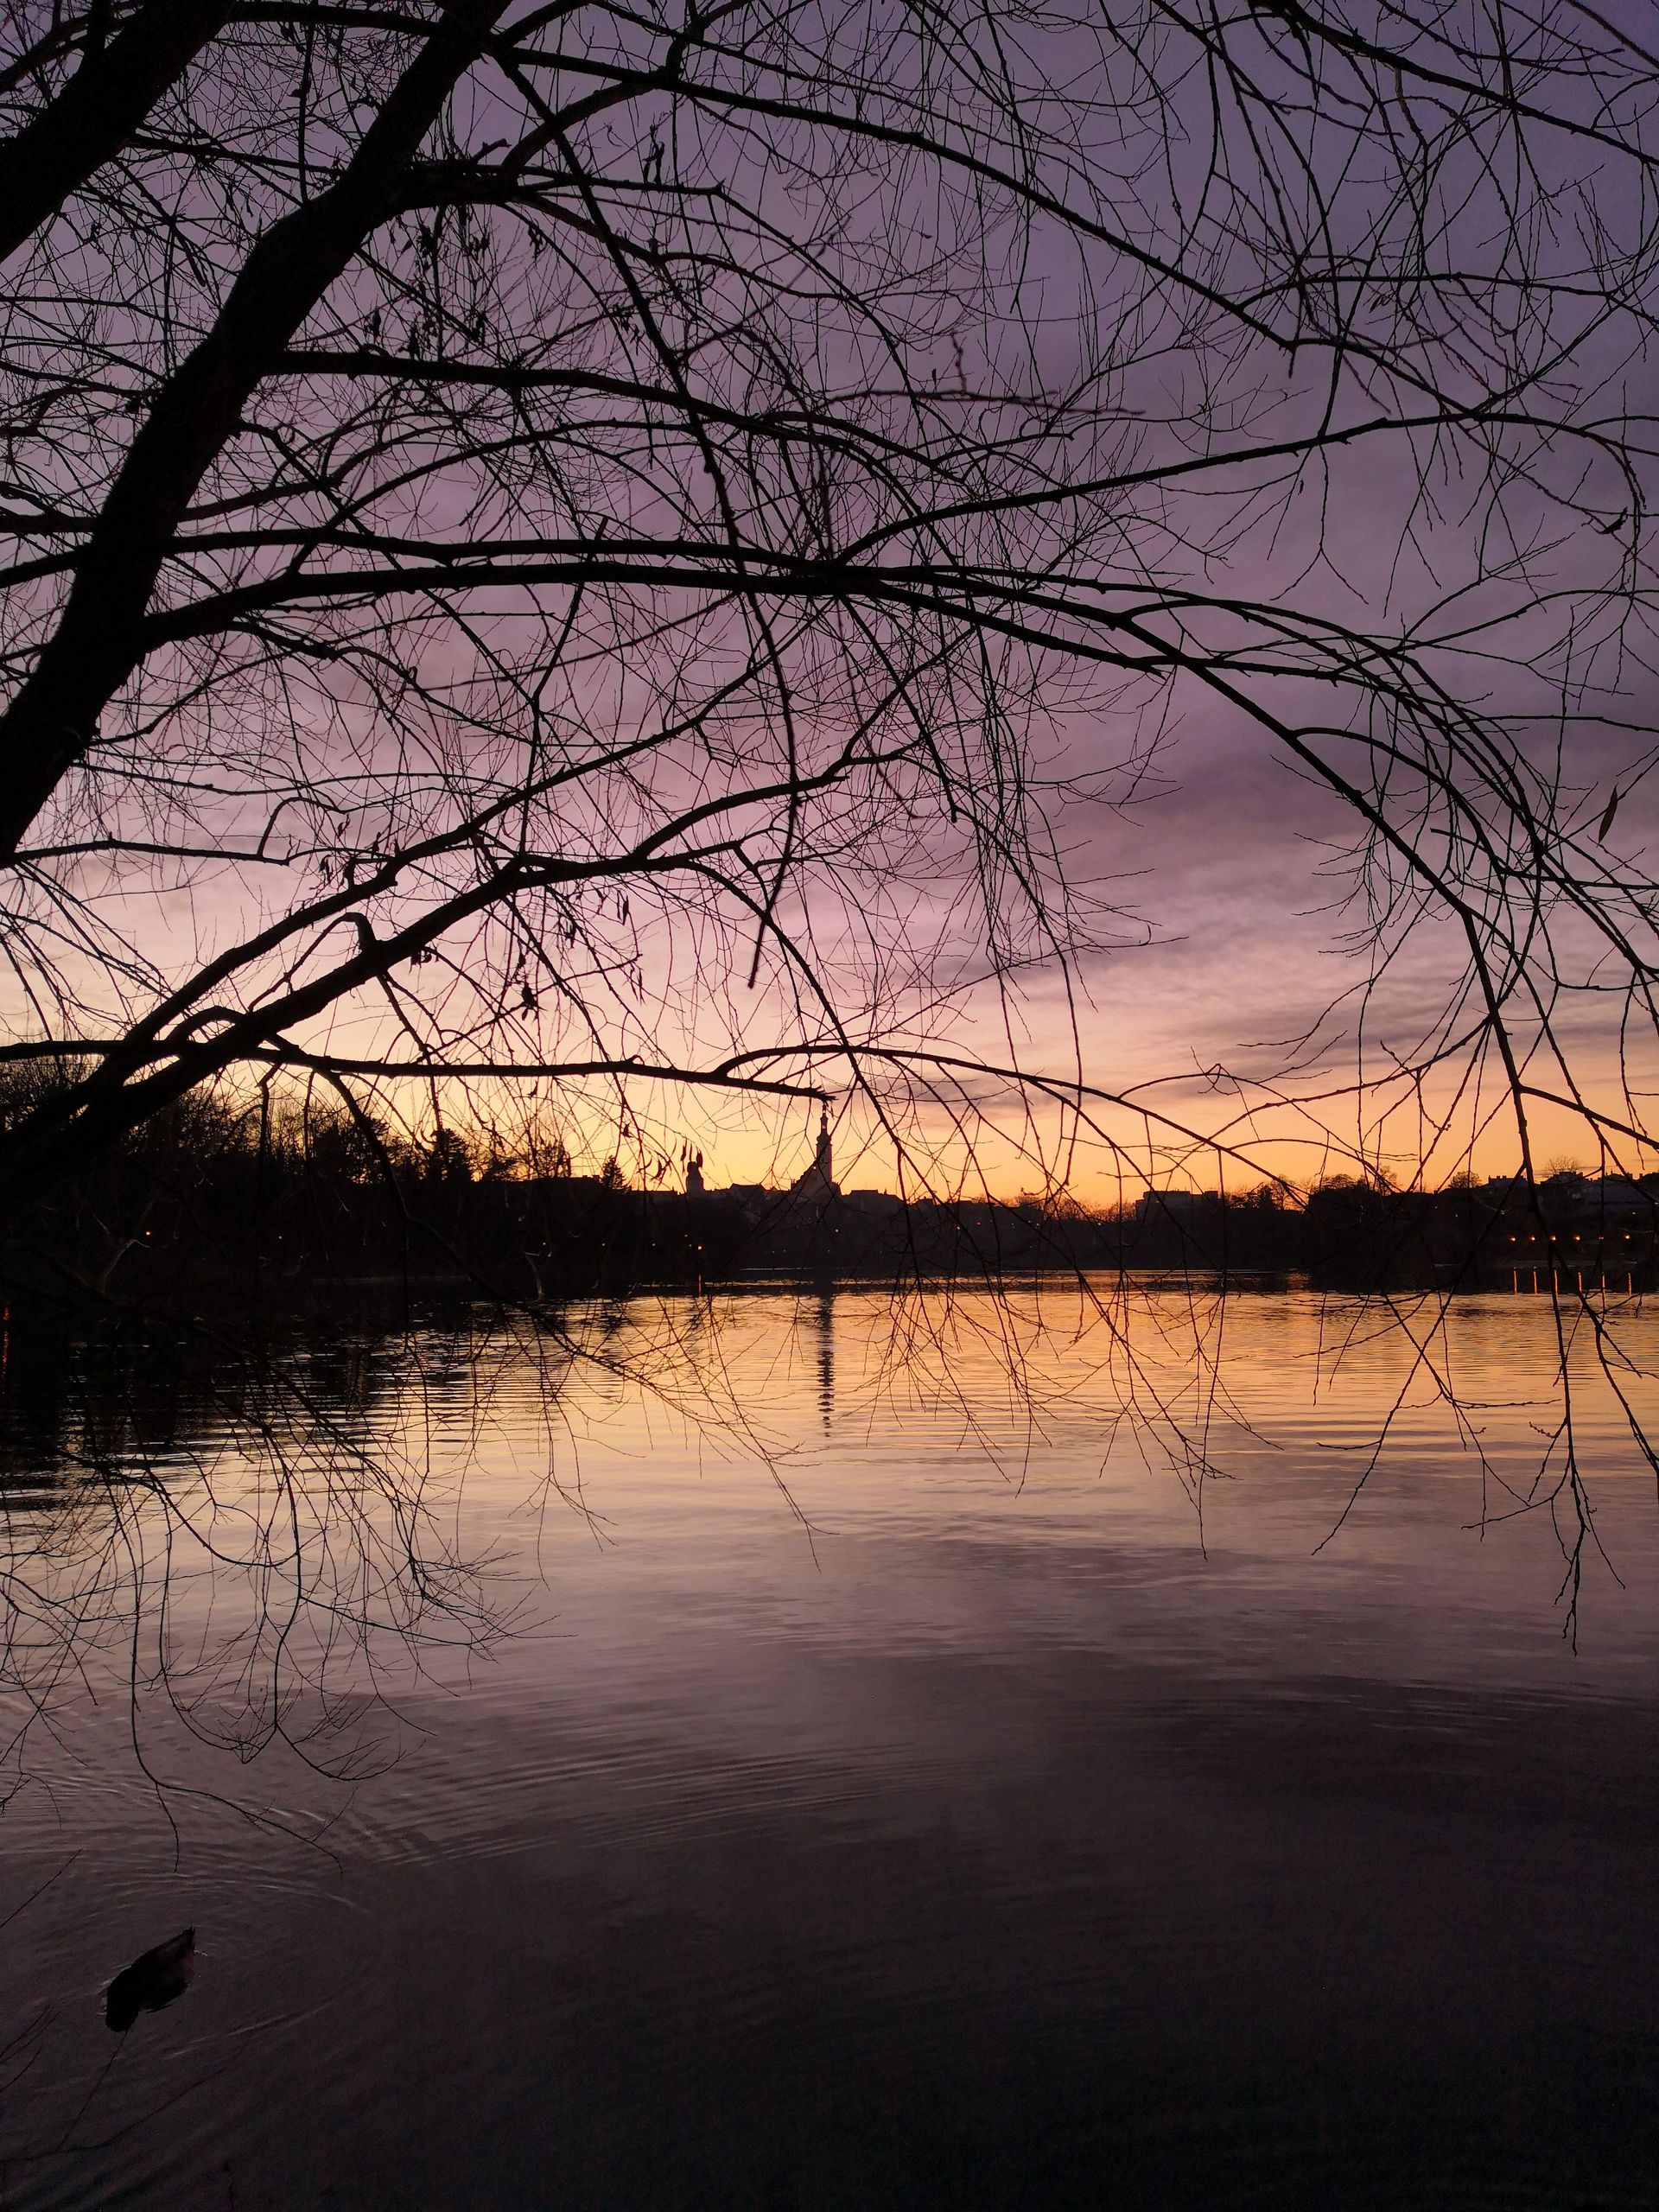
1002, 1845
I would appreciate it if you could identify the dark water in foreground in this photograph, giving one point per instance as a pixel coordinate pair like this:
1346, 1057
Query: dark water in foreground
996, 1843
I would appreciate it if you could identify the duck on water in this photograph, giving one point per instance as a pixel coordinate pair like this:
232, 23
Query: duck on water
153, 1979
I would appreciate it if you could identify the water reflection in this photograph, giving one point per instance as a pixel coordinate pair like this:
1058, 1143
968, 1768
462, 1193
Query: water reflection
824, 1337
997, 1845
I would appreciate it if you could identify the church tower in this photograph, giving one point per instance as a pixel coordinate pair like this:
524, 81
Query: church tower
818, 1181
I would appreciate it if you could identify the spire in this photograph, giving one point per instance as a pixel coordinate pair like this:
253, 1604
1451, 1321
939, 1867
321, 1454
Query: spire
818, 1181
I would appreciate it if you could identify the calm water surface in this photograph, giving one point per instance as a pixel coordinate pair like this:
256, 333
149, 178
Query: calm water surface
906, 1804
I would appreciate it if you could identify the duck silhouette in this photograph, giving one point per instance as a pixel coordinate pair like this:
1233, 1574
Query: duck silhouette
153, 1979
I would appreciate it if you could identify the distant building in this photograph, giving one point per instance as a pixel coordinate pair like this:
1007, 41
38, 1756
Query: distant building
694, 1176
753, 1200
1570, 1196
875, 1202
817, 1183
1621, 1196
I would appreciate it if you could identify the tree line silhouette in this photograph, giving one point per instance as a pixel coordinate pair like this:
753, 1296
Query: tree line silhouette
293, 1203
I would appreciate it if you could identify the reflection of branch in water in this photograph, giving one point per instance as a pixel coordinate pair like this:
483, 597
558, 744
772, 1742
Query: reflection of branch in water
40, 1889
262, 1543
23, 2046
246, 1572
64, 2148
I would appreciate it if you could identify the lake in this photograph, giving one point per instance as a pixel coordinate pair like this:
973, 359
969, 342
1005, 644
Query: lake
809, 1751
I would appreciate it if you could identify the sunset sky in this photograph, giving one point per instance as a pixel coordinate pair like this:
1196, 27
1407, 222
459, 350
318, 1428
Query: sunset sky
908, 478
